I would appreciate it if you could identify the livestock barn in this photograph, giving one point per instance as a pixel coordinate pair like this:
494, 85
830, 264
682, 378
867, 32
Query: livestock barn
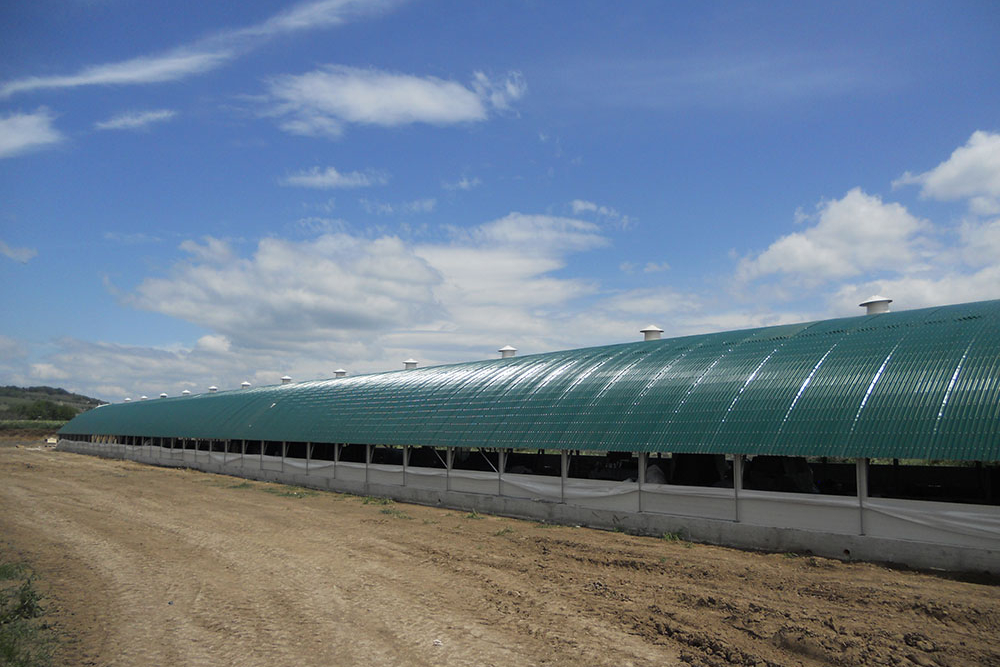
873, 437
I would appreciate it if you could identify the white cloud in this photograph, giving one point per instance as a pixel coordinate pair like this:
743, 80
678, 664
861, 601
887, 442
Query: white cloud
656, 267
23, 132
972, 172
607, 213
853, 235
204, 55
420, 205
135, 120
464, 183
22, 255
212, 343
330, 178
953, 285
131, 239
385, 208
321, 102
500, 93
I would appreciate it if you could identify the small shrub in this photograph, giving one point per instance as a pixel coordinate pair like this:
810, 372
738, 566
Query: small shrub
473, 515
672, 537
375, 500
503, 531
393, 512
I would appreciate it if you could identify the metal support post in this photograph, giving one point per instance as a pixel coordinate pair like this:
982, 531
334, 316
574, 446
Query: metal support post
737, 485
563, 474
501, 464
861, 466
449, 460
641, 477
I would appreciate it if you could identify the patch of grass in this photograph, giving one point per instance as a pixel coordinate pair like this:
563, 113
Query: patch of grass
394, 512
428, 522
289, 491
241, 485
503, 531
376, 500
672, 537
473, 515
25, 639
542, 524
790, 554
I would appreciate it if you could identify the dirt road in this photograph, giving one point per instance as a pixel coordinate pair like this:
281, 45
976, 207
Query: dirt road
153, 566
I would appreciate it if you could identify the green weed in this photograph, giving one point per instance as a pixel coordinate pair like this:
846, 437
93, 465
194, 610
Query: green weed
289, 491
393, 512
25, 640
375, 500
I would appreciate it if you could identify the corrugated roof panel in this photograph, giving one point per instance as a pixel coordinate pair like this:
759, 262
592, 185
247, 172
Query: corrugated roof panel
915, 384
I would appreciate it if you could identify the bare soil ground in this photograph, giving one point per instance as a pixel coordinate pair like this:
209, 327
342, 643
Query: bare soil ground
154, 566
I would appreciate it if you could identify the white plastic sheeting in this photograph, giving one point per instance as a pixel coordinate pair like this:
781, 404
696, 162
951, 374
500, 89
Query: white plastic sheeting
951, 524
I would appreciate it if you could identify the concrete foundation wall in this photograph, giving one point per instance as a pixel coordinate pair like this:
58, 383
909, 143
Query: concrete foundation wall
915, 533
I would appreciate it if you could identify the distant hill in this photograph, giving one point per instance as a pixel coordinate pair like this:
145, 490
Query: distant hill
42, 403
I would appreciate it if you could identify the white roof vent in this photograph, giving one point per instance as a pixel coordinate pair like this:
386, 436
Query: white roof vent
339, 373
213, 389
410, 364
651, 332
507, 351
185, 393
876, 304
285, 379
244, 385
127, 399
143, 398
163, 395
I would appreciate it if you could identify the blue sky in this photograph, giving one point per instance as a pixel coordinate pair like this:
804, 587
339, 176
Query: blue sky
239, 191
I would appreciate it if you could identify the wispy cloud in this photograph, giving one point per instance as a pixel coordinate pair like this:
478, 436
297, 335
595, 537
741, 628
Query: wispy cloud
23, 132
581, 206
384, 208
22, 255
322, 102
330, 178
135, 120
206, 54
464, 183
724, 79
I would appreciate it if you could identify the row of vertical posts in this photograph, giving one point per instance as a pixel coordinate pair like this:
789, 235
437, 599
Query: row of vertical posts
738, 461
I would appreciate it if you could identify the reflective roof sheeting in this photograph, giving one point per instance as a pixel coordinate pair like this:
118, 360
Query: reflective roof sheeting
912, 384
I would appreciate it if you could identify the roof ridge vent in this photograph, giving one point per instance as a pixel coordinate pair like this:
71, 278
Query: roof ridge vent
339, 373
213, 389
876, 304
410, 364
651, 332
186, 392
286, 379
244, 385
507, 351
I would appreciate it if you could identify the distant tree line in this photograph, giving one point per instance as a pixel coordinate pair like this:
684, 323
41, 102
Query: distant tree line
40, 409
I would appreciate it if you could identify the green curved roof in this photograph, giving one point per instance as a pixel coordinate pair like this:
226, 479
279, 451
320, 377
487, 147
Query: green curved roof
912, 384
